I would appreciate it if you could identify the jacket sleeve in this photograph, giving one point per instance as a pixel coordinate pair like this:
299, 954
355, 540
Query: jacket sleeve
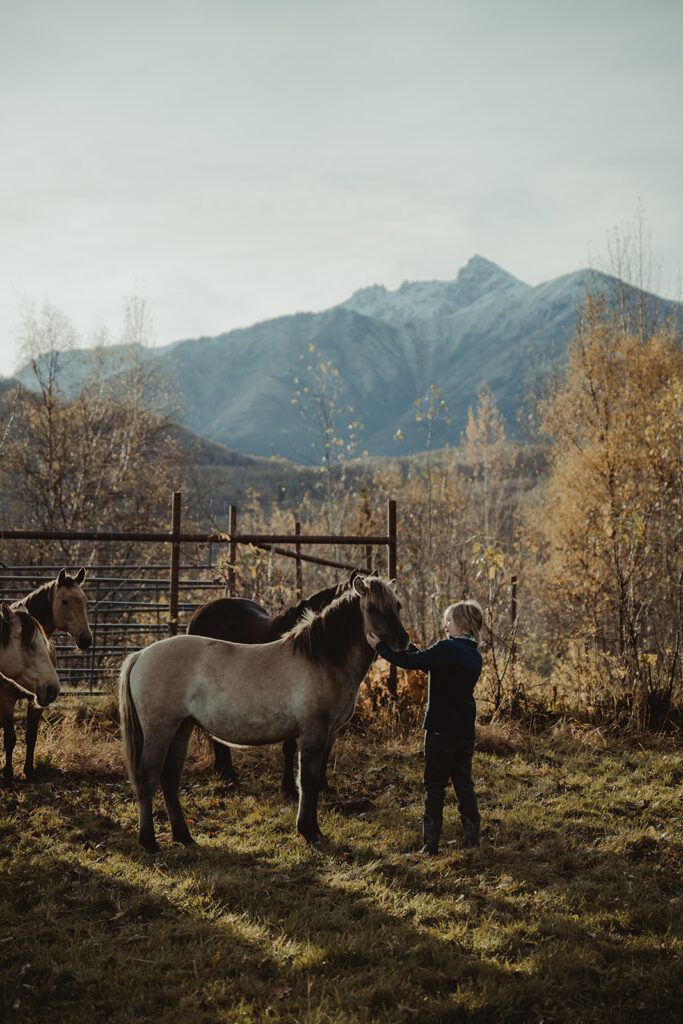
436, 656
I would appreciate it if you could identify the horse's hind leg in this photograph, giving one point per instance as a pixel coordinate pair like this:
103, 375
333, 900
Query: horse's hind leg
222, 762
288, 781
170, 782
33, 717
310, 764
154, 751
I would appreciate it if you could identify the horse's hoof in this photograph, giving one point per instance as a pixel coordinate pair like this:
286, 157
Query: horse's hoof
313, 838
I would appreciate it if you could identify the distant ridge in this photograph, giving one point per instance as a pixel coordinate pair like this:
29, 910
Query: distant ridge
389, 347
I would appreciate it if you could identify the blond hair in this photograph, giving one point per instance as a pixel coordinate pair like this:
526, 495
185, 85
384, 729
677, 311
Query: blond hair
467, 617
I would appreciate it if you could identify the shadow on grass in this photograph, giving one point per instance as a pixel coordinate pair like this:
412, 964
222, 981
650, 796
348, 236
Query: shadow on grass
347, 932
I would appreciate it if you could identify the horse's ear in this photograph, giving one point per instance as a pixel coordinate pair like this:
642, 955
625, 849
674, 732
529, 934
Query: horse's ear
360, 586
374, 573
6, 612
80, 576
61, 579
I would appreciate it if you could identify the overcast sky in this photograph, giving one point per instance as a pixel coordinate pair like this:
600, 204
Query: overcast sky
233, 161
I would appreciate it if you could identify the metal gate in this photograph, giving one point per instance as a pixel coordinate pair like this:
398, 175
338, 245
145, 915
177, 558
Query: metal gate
128, 608
131, 606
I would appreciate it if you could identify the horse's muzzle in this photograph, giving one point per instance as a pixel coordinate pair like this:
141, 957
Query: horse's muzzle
84, 641
405, 641
399, 641
46, 694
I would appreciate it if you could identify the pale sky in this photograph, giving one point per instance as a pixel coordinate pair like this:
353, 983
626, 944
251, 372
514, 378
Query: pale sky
232, 162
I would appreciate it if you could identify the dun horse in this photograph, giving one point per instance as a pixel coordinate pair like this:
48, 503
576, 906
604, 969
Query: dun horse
245, 622
303, 686
26, 668
59, 605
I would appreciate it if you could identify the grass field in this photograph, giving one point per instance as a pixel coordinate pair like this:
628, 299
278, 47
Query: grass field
570, 911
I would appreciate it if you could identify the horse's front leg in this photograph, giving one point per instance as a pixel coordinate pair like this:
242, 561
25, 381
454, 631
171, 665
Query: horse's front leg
33, 717
10, 741
288, 781
324, 784
311, 754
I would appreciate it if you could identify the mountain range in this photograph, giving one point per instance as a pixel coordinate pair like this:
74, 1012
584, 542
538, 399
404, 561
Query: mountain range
385, 349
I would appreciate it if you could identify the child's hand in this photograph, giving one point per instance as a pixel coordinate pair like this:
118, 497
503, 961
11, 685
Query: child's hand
372, 639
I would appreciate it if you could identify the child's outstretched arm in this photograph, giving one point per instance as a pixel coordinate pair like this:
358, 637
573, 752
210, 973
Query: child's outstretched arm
436, 656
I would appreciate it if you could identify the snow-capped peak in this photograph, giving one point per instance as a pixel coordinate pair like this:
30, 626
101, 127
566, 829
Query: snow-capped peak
420, 299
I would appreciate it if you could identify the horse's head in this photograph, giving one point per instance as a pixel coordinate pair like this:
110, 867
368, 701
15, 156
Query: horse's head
69, 608
25, 654
380, 608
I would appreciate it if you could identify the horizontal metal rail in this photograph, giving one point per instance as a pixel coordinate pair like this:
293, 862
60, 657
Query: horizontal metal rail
257, 539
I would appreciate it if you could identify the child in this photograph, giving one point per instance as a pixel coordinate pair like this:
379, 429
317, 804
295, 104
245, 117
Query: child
454, 666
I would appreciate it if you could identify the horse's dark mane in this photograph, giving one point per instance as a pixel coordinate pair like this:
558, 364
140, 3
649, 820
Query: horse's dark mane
287, 619
29, 625
39, 601
326, 636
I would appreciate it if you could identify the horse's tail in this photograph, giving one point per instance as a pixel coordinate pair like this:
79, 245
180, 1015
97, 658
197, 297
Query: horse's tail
131, 729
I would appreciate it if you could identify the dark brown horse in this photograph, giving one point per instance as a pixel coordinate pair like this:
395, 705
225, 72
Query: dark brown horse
59, 605
244, 622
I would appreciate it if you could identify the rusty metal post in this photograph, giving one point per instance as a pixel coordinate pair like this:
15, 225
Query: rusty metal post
175, 565
513, 622
299, 571
233, 551
391, 531
368, 557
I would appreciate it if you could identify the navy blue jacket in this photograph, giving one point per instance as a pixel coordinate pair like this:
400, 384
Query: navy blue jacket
454, 665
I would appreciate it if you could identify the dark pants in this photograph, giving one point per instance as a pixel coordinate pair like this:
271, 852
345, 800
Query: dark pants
448, 759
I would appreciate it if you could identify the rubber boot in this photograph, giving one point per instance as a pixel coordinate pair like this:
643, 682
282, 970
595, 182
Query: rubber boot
431, 830
471, 829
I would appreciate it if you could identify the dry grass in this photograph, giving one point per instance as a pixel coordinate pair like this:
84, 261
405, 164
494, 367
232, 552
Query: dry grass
504, 736
570, 911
